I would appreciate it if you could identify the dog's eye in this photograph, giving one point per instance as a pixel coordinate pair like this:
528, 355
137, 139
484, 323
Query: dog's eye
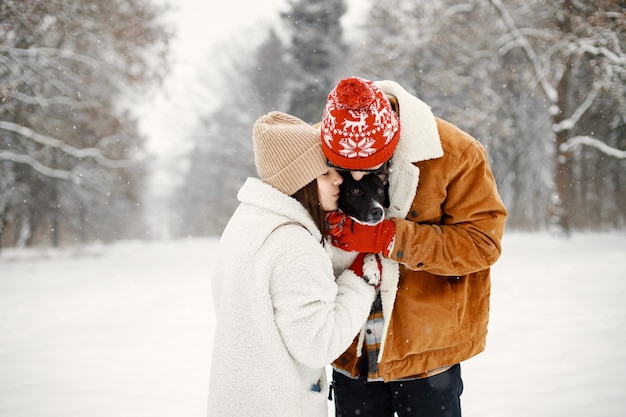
357, 191
380, 191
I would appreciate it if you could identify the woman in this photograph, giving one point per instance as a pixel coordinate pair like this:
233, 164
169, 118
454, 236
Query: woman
282, 316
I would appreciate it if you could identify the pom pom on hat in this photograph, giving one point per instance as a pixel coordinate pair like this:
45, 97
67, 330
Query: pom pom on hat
360, 130
354, 94
287, 152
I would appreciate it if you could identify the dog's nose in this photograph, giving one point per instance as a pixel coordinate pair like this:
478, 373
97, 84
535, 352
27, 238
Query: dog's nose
377, 213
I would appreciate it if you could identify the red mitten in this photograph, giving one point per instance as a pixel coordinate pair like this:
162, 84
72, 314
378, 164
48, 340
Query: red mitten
356, 237
368, 267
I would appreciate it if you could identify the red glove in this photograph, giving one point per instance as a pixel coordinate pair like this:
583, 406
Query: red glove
356, 237
368, 267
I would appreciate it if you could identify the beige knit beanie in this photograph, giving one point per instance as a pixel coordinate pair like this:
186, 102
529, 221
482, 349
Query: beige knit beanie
287, 152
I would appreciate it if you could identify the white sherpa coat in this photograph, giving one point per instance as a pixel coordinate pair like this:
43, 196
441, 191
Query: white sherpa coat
281, 314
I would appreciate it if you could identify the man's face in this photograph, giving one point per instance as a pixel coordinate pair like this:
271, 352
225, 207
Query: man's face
357, 175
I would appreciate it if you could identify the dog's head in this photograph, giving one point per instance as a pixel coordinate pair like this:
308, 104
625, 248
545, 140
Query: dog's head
364, 200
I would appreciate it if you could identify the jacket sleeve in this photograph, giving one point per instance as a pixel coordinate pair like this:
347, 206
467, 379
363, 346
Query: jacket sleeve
467, 237
316, 315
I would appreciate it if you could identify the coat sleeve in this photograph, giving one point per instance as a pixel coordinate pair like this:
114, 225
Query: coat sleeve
316, 315
467, 236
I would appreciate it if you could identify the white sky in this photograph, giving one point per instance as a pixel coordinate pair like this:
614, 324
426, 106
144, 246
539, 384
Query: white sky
167, 117
199, 24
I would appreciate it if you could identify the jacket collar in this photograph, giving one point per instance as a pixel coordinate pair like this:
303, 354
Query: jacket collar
419, 137
278, 206
419, 141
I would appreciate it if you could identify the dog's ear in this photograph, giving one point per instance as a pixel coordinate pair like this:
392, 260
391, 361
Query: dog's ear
387, 201
383, 174
395, 106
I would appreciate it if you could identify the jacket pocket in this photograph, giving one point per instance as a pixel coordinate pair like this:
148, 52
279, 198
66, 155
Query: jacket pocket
425, 315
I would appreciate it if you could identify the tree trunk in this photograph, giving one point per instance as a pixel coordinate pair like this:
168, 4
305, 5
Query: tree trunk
560, 223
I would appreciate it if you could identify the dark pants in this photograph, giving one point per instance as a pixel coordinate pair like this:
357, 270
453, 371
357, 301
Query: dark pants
436, 396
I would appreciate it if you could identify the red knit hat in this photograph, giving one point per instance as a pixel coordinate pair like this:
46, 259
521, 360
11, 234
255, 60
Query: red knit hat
360, 130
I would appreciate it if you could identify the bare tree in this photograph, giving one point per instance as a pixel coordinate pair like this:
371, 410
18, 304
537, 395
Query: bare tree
316, 49
540, 84
533, 81
251, 80
574, 36
293, 73
70, 152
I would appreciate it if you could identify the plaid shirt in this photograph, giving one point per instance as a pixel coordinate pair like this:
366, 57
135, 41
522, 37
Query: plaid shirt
373, 337
371, 347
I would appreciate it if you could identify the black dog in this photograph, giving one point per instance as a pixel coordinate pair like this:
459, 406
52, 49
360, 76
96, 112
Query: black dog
365, 201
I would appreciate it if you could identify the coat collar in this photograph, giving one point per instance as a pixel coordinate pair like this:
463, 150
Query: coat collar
280, 206
419, 141
419, 137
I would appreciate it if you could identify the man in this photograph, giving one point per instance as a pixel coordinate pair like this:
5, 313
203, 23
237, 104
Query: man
442, 233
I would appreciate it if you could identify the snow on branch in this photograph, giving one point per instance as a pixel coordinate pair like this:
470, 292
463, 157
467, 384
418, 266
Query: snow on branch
586, 45
47, 102
36, 165
571, 121
93, 153
521, 40
60, 53
589, 141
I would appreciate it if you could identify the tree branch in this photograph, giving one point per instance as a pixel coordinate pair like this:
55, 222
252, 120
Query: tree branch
51, 142
571, 121
47, 102
589, 141
61, 53
36, 165
586, 45
548, 89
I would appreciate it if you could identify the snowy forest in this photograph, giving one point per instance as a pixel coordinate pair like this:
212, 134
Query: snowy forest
542, 84
72, 162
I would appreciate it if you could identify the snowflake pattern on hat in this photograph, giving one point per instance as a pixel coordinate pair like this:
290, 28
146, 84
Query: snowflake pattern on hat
359, 127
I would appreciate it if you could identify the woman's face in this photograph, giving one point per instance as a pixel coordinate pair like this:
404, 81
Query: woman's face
328, 189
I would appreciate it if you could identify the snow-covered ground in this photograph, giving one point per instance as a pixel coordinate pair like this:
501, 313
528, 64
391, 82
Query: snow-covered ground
126, 330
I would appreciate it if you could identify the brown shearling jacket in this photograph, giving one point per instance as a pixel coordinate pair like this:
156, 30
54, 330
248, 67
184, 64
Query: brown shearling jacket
449, 224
